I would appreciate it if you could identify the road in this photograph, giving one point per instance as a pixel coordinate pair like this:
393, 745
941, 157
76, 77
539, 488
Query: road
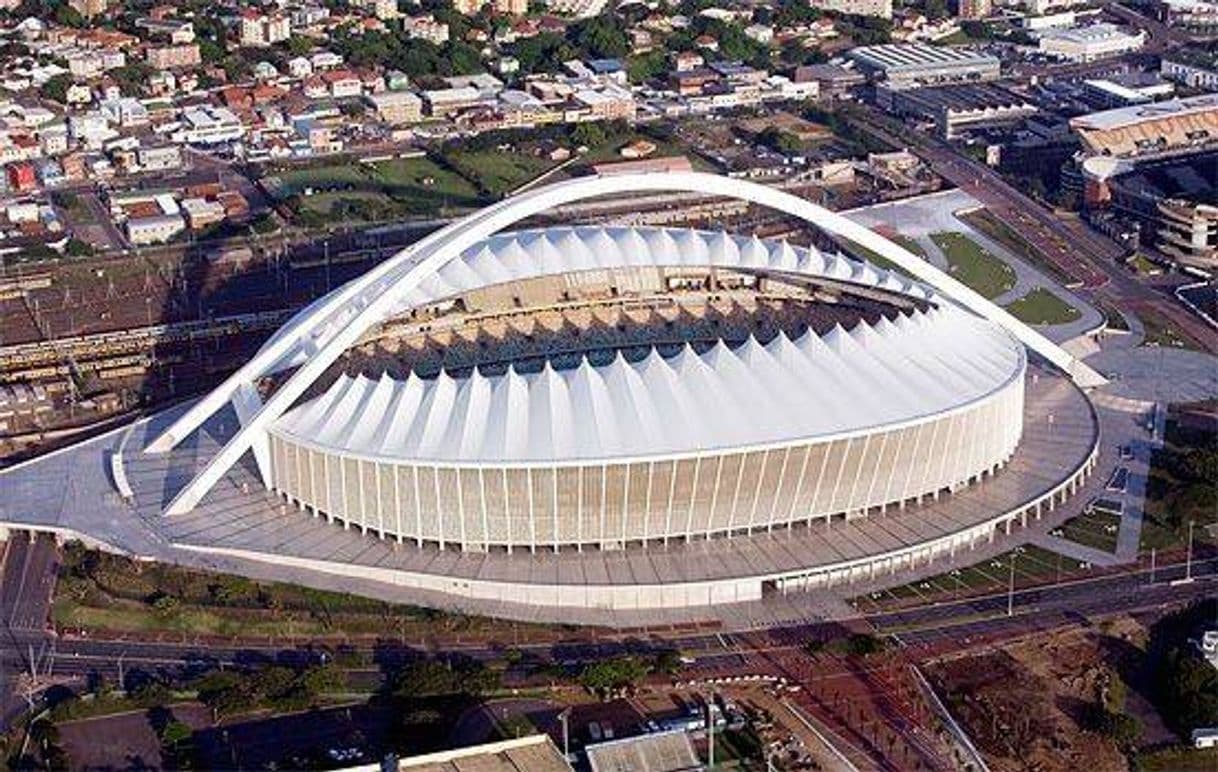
869, 709
939, 623
28, 572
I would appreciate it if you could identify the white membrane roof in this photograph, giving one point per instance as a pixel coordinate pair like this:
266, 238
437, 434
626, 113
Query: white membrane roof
893, 372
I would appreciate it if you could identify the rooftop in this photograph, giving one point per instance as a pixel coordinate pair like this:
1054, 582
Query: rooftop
1124, 117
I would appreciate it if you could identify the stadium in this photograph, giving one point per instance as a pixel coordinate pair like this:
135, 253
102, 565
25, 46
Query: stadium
627, 395
610, 417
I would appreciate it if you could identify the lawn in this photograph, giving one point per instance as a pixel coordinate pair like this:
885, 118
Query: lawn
495, 173
1033, 566
974, 266
1161, 331
381, 191
1143, 266
99, 591
1097, 530
910, 244
859, 252
1040, 306
985, 222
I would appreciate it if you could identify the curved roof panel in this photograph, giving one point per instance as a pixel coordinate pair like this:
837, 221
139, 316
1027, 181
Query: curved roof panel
784, 391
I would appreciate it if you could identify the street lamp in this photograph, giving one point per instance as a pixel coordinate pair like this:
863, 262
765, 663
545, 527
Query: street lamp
566, 736
1011, 585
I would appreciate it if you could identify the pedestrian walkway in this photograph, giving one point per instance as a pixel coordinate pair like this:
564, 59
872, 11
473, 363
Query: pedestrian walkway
1073, 549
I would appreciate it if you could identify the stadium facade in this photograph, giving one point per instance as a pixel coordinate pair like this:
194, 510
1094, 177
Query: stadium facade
674, 438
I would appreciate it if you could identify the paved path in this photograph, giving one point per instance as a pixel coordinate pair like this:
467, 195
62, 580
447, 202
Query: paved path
1073, 549
1156, 373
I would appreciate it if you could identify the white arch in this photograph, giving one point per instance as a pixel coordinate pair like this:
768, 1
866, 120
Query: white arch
364, 302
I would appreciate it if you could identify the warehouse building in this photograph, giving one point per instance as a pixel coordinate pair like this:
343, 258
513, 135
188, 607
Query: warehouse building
913, 65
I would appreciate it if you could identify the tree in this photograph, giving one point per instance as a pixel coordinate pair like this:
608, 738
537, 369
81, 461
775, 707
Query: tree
781, 141
1122, 728
177, 745
225, 692
610, 675
299, 45
645, 67
589, 133
667, 661
56, 88
132, 78
77, 248
432, 678
602, 36
1187, 691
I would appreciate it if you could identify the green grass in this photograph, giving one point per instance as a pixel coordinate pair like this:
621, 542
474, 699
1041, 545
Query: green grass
1033, 566
1161, 331
1114, 319
1143, 265
860, 252
98, 591
974, 266
496, 173
1177, 760
1040, 306
1097, 530
984, 221
910, 244
381, 191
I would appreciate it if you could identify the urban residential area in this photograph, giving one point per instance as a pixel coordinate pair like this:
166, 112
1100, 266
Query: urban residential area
609, 385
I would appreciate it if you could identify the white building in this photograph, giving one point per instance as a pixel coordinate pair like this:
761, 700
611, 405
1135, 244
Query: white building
1189, 74
910, 65
426, 28
157, 229
1041, 7
300, 67
207, 125
396, 107
159, 158
880, 8
264, 29
1088, 44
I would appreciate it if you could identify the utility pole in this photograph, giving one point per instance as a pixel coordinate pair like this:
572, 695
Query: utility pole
1152, 565
710, 734
566, 735
1188, 556
1011, 587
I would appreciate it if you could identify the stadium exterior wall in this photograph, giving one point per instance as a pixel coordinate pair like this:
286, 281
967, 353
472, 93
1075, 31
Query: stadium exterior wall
627, 501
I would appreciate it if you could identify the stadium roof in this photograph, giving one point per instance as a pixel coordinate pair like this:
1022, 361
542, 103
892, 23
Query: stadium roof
1123, 117
532, 253
756, 395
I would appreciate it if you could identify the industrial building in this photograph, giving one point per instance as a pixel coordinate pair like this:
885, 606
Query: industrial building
1176, 207
1090, 43
958, 109
913, 65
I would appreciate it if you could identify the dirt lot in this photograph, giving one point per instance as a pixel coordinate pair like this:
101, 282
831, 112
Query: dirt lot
1026, 705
